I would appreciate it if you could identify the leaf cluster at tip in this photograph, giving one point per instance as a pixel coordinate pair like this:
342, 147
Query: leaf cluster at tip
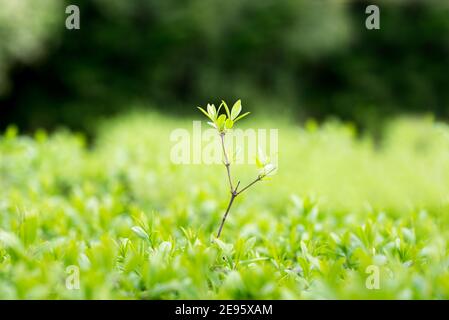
224, 121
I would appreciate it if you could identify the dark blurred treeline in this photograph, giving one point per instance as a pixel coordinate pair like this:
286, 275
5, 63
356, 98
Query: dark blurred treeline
307, 58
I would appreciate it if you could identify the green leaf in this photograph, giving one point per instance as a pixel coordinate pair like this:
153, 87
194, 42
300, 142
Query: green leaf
267, 171
259, 163
304, 248
140, 232
221, 122
11, 132
236, 109
226, 108
262, 157
242, 116
212, 111
12, 242
212, 124
205, 113
219, 107
229, 124
227, 248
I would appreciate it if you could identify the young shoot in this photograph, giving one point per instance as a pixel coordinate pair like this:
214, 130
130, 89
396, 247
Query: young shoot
223, 123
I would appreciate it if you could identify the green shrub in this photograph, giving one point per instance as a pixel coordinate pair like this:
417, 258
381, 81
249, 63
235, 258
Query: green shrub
140, 227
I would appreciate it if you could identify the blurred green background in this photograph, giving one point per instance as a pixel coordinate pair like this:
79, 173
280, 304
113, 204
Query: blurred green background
299, 57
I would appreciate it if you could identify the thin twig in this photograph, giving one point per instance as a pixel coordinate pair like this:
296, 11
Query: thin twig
259, 177
249, 185
226, 214
226, 162
234, 192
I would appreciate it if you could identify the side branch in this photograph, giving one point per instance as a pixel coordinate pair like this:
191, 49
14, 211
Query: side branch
249, 185
259, 177
234, 191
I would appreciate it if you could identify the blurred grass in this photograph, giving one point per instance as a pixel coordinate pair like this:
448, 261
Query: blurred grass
339, 203
406, 168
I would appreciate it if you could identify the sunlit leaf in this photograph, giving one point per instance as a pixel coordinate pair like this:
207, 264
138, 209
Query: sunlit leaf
211, 111
140, 232
241, 116
229, 123
226, 108
205, 113
236, 109
221, 122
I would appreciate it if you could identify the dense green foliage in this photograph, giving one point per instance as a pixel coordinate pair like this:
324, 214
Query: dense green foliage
312, 57
139, 226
